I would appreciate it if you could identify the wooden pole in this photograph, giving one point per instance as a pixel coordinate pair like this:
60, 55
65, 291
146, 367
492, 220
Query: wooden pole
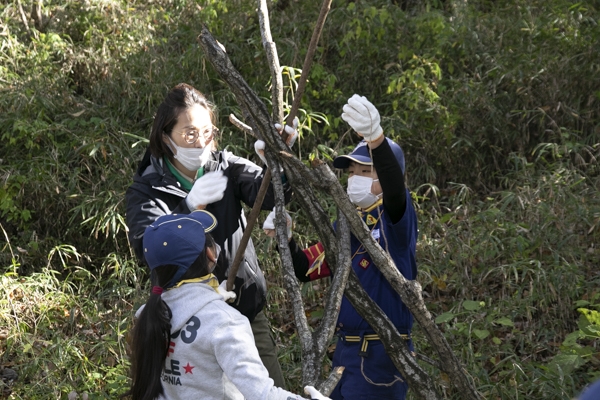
239, 255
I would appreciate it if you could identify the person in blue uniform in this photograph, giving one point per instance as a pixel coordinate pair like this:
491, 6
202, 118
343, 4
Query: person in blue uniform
376, 186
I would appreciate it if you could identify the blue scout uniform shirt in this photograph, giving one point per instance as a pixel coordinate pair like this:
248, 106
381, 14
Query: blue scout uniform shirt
400, 241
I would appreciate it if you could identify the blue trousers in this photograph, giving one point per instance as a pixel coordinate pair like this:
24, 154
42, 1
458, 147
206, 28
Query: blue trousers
370, 376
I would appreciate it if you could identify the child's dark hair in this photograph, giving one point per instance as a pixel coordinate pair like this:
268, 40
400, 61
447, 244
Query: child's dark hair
150, 338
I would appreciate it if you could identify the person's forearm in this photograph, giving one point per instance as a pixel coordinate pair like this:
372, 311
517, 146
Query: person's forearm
391, 179
377, 142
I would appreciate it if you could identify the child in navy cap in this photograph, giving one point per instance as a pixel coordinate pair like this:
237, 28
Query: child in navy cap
376, 186
187, 342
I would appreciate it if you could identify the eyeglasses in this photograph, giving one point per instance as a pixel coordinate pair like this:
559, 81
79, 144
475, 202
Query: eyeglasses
192, 135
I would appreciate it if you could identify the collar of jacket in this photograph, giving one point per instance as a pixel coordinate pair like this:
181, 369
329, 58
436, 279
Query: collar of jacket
155, 173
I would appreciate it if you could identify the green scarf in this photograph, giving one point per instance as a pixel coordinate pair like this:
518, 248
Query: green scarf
183, 181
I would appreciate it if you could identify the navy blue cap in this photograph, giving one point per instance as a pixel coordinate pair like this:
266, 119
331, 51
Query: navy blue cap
361, 155
177, 239
591, 392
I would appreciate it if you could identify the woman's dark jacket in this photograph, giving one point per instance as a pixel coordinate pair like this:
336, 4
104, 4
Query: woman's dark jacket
156, 191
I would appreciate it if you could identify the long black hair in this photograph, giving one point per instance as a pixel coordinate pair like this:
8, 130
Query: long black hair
150, 338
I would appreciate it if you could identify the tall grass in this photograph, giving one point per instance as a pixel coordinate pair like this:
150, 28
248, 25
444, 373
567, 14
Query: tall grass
67, 333
504, 275
494, 103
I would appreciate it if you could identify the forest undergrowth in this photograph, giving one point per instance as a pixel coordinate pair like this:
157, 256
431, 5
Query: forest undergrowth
496, 105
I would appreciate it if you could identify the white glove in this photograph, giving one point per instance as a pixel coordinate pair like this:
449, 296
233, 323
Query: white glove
314, 393
259, 148
222, 290
363, 117
207, 189
292, 132
269, 224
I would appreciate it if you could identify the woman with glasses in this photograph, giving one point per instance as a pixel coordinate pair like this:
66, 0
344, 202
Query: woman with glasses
183, 171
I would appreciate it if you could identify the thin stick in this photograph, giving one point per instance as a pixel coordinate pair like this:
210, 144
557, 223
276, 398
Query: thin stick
235, 265
240, 125
239, 255
312, 47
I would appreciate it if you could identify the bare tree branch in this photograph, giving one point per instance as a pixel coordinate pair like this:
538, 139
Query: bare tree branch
260, 121
331, 382
312, 47
273, 61
240, 125
314, 345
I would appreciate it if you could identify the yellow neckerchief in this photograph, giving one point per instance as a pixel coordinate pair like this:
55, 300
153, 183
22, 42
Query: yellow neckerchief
210, 279
371, 207
365, 214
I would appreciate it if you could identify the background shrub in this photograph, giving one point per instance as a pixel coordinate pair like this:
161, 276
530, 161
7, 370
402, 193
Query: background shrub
496, 105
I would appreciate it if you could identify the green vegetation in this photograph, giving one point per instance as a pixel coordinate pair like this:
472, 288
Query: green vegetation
495, 103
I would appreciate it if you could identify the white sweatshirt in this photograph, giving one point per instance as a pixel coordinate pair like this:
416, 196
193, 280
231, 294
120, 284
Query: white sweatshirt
212, 354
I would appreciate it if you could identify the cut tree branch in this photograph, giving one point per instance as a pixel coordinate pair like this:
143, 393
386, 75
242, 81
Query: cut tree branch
314, 345
312, 47
260, 121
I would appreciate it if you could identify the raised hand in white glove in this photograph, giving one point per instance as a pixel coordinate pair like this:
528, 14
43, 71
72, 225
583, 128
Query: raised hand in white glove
269, 224
292, 132
226, 294
363, 117
314, 393
207, 189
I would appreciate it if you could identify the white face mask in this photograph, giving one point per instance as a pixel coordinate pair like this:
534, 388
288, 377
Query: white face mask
359, 191
188, 157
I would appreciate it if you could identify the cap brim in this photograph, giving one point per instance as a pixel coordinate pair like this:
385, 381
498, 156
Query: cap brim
208, 221
343, 162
